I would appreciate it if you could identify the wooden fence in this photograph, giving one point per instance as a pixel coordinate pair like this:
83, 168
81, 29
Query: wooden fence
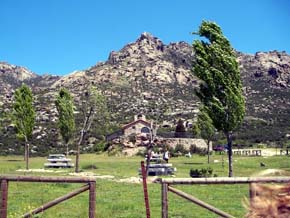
166, 185
90, 184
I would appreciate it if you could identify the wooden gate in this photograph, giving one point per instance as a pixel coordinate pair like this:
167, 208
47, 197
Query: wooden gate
90, 184
166, 185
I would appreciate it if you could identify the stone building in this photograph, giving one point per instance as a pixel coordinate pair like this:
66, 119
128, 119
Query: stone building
138, 127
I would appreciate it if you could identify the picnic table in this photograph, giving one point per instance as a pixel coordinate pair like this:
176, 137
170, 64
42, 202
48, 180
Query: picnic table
158, 167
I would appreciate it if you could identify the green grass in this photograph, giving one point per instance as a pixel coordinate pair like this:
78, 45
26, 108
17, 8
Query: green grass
116, 199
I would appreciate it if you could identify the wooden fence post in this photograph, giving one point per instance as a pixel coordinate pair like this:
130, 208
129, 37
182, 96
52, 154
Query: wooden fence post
145, 190
252, 192
4, 198
92, 199
164, 190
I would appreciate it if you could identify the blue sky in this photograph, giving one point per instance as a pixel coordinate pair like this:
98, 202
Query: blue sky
60, 36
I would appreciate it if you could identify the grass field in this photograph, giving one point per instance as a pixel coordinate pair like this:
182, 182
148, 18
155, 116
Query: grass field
125, 199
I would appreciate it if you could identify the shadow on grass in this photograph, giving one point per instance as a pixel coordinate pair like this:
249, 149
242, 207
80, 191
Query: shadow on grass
192, 163
13, 160
90, 167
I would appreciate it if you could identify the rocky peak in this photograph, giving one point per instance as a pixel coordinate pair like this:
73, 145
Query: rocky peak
16, 72
147, 36
272, 66
11, 77
146, 39
146, 46
269, 59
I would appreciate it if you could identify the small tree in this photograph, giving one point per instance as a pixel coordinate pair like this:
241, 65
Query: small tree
23, 116
66, 122
205, 129
93, 107
220, 88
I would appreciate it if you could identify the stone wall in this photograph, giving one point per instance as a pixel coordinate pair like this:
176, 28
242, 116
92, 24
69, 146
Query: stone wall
186, 142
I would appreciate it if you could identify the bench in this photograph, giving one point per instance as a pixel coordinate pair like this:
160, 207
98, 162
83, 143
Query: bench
248, 152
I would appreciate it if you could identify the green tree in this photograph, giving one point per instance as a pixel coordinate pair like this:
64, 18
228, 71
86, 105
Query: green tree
23, 117
205, 129
93, 108
180, 131
220, 89
66, 122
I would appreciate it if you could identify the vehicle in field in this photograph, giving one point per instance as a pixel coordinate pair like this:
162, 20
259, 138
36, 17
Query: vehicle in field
58, 161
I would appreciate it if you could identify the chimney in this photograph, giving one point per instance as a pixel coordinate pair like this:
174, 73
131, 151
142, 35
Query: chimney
139, 117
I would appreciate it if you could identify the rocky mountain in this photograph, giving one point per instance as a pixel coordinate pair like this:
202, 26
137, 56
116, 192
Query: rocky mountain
12, 76
152, 78
9, 71
266, 79
146, 77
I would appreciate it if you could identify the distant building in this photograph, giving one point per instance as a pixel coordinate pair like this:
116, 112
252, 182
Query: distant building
139, 126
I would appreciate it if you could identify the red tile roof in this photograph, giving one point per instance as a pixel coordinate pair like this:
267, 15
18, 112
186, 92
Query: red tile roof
136, 121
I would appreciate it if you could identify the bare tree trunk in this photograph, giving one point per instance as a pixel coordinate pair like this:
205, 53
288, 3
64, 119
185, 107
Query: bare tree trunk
26, 154
27, 160
149, 153
208, 151
78, 150
150, 148
77, 158
230, 155
66, 149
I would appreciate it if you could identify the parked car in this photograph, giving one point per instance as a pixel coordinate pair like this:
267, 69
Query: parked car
220, 148
58, 161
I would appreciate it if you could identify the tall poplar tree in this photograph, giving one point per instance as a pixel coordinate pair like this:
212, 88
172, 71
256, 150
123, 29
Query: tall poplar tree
220, 89
23, 116
66, 121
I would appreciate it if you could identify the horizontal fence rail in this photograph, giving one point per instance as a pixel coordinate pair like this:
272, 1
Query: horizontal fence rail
90, 185
166, 185
47, 179
222, 180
